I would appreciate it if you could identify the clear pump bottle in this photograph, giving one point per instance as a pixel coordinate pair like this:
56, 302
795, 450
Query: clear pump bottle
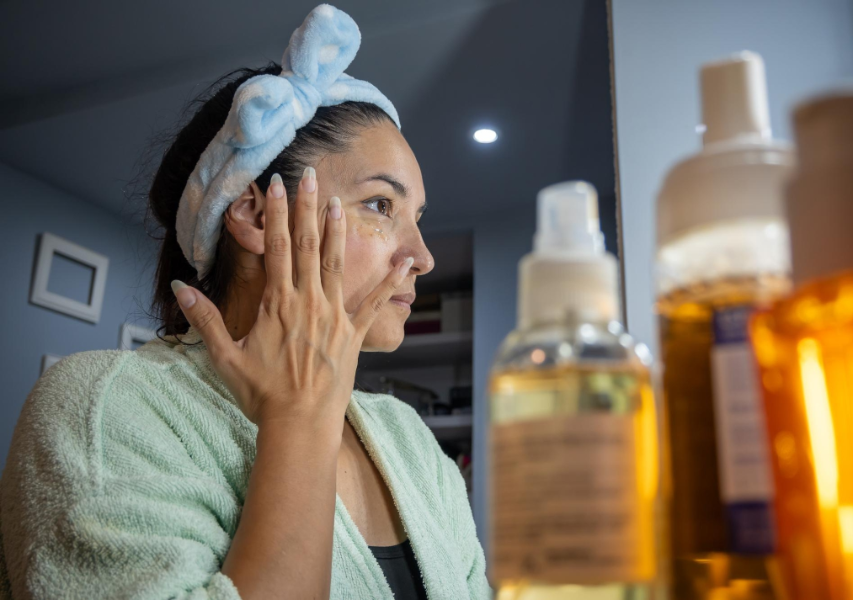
723, 251
573, 433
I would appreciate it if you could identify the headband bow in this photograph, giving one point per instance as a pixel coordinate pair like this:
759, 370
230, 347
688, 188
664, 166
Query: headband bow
265, 114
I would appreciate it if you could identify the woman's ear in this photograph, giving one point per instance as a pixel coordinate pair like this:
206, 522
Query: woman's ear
244, 219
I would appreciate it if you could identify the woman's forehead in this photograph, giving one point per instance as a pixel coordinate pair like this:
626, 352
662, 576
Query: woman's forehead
382, 153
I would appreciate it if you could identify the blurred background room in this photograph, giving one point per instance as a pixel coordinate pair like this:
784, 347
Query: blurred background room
600, 91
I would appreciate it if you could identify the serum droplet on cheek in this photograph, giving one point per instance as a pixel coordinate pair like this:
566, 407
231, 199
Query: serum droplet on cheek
379, 231
370, 231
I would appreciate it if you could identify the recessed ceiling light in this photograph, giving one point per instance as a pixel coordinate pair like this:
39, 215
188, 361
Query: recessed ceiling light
485, 136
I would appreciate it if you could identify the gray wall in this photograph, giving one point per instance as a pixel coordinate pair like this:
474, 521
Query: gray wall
499, 243
658, 48
29, 208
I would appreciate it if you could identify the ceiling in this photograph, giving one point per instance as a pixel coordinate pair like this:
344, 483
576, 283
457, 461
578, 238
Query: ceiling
88, 86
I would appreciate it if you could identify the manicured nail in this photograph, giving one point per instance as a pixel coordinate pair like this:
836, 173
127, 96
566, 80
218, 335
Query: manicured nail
407, 264
335, 207
184, 294
309, 179
276, 186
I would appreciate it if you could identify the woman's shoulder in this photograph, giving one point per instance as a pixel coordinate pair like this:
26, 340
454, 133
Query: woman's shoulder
80, 383
65, 392
108, 415
88, 367
58, 424
87, 398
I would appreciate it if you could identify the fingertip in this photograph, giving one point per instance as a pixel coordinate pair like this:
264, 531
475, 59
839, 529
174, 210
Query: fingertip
276, 186
407, 264
184, 294
335, 211
309, 180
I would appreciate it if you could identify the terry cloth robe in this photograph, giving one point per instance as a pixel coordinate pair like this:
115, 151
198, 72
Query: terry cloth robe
128, 470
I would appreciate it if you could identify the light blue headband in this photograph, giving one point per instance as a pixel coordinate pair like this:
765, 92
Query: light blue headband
265, 114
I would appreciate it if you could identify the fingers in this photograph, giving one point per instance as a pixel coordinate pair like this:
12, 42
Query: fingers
277, 252
376, 301
334, 244
205, 318
306, 236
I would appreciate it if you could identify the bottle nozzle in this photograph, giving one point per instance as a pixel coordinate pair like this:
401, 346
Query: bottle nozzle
567, 219
568, 274
734, 99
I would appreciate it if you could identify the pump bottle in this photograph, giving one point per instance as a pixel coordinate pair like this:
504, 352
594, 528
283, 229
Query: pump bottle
573, 434
723, 251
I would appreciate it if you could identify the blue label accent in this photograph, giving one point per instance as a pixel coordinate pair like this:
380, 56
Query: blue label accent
751, 529
731, 325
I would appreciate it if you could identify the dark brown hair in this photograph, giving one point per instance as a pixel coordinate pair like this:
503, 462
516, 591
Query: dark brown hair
331, 130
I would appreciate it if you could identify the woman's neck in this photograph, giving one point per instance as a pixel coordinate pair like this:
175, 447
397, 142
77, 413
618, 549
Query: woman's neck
244, 298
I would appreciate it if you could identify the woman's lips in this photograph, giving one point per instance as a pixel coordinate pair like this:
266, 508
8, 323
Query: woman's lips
404, 300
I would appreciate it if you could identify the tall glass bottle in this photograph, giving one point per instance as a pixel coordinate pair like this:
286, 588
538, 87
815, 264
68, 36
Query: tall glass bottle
722, 252
804, 347
574, 448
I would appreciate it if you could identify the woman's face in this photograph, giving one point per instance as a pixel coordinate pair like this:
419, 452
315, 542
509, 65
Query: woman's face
382, 194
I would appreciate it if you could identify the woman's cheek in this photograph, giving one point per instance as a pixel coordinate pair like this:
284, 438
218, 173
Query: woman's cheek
366, 262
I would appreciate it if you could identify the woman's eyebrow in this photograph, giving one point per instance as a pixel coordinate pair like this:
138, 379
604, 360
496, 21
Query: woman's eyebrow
398, 186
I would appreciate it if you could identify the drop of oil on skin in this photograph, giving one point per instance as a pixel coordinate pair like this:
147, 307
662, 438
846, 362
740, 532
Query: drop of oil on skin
375, 230
378, 229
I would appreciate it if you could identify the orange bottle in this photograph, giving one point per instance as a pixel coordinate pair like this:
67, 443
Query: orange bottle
804, 347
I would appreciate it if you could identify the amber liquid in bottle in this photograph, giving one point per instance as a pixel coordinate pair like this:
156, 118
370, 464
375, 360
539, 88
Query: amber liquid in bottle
804, 347
720, 517
575, 471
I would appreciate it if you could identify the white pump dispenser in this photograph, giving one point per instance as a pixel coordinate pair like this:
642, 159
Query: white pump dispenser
741, 168
734, 100
568, 274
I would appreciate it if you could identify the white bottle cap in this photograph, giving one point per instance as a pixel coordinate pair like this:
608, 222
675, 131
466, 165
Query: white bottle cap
567, 219
569, 274
741, 172
734, 99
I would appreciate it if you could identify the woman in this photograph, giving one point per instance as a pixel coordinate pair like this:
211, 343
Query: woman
206, 464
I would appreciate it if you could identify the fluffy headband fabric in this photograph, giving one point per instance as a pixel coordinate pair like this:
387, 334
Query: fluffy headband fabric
265, 114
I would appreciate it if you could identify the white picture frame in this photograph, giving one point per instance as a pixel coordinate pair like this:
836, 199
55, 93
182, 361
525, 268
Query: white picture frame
131, 333
48, 246
48, 360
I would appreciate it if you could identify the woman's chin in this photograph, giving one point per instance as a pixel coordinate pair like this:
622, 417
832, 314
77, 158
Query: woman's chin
383, 337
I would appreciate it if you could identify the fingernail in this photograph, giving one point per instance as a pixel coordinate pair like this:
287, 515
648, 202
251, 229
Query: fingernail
184, 294
335, 207
407, 264
276, 186
309, 179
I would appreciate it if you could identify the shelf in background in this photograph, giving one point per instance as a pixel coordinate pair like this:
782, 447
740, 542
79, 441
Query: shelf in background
450, 427
426, 349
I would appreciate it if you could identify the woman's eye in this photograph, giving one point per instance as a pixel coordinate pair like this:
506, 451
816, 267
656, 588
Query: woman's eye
380, 205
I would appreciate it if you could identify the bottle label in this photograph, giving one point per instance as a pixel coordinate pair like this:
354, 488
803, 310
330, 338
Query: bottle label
746, 486
565, 501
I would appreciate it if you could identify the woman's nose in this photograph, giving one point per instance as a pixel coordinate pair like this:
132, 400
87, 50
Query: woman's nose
424, 262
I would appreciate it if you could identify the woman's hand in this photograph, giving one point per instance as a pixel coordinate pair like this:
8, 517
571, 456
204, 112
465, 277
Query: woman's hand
299, 359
